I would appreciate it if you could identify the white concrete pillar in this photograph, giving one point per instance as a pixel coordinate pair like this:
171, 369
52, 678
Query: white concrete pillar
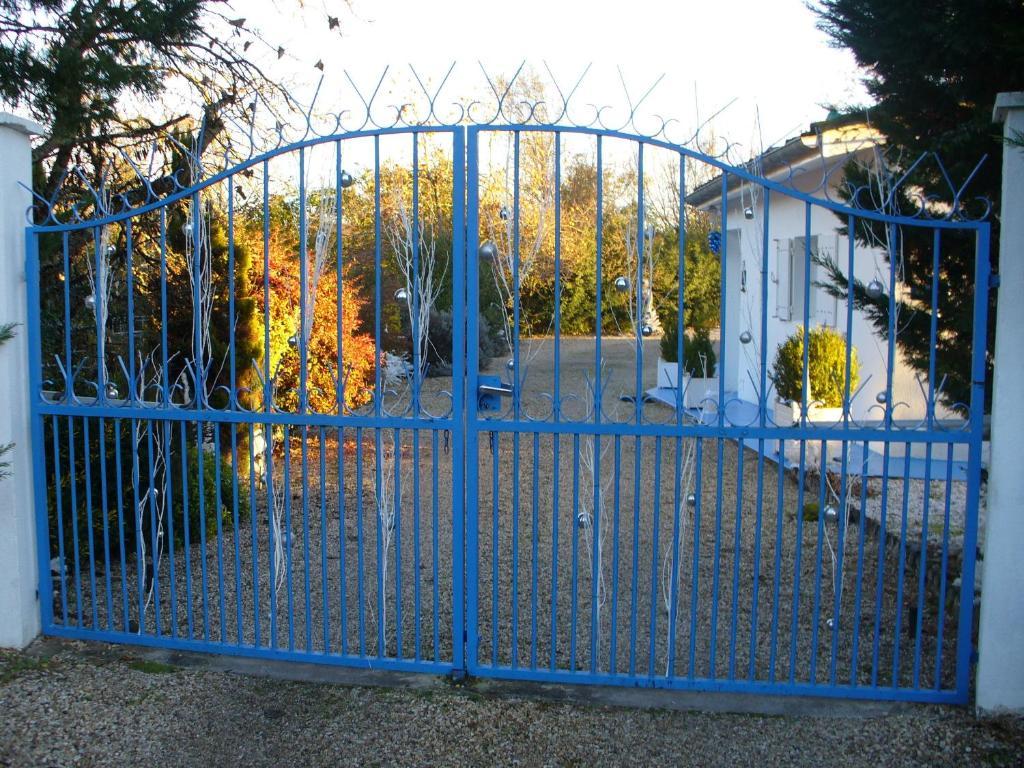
1000, 684
19, 574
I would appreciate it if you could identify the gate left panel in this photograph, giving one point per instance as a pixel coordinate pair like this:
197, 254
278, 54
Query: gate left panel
247, 412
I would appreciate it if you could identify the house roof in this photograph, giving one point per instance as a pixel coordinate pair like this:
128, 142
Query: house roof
837, 135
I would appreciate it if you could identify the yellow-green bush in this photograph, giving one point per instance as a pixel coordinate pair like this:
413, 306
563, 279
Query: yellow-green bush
826, 361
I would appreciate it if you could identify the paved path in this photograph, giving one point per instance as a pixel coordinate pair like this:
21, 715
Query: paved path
76, 704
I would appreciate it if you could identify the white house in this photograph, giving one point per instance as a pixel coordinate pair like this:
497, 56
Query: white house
813, 164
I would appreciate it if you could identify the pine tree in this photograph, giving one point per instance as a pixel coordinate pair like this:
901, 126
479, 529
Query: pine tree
934, 70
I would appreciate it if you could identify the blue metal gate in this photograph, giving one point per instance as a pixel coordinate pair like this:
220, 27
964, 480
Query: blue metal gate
547, 509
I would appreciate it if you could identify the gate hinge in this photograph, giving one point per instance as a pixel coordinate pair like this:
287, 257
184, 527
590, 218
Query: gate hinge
993, 280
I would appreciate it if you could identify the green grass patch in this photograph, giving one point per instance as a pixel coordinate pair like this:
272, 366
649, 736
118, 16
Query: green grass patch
151, 667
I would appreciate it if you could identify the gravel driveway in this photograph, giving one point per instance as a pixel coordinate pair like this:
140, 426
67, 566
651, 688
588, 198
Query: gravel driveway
71, 704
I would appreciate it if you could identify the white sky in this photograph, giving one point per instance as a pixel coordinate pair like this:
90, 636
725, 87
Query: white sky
767, 55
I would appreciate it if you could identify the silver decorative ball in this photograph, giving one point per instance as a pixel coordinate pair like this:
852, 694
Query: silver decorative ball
746, 338
881, 398
111, 250
583, 520
90, 302
875, 288
691, 500
401, 295
346, 180
488, 251
293, 340
510, 363
504, 213
622, 284
831, 513
646, 330
112, 392
748, 212
830, 622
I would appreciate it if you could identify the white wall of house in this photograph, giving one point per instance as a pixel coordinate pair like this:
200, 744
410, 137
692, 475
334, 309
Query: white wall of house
784, 265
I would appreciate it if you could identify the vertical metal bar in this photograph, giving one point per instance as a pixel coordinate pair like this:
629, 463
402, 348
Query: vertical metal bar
154, 560
397, 469
695, 574
598, 286
758, 509
534, 550
268, 484
653, 629
86, 451
596, 552
325, 608
555, 471
904, 532
137, 516
923, 561
378, 396
339, 390
495, 438
633, 607
556, 408
780, 494
360, 566
722, 352
73, 480
762, 408
303, 309
220, 533
617, 491
417, 363
233, 319
417, 639
977, 412
941, 623
736, 555
574, 603
39, 477
716, 574
681, 296
673, 597
464, 448
120, 527
516, 397
842, 519
288, 569
306, 566
237, 528
641, 294
190, 628
434, 549
797, 564
816, 611
858, 589
255, 552
201, 480
165, 434
102, 439
342, 545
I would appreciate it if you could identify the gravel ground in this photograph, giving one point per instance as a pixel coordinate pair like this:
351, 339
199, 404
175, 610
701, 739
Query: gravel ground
80, 706
746, 605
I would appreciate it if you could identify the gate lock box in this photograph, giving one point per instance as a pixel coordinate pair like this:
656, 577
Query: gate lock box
489, 392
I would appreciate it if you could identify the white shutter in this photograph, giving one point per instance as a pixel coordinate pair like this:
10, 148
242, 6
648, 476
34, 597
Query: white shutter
797, 278
824, 307
783, 285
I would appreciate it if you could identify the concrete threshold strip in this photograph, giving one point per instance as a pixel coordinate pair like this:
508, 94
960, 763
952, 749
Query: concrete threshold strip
583, 695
